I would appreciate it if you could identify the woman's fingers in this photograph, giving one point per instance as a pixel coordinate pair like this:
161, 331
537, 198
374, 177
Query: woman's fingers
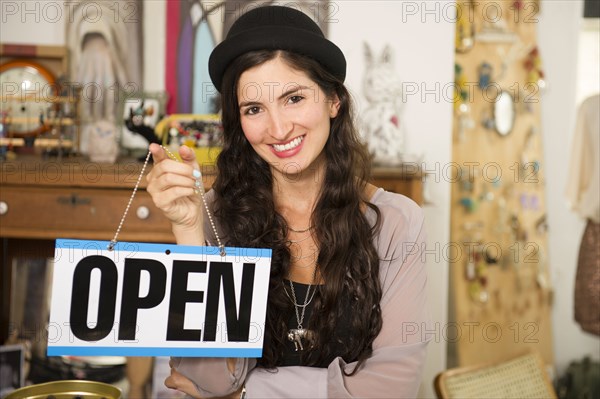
165, 181
188, 156
158, 153
165, 199
167, 187
181, 383
174, 186
167, 170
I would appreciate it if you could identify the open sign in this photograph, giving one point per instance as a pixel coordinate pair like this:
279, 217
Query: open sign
157, 300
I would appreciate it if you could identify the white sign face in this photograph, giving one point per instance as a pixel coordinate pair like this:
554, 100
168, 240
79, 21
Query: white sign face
157, 300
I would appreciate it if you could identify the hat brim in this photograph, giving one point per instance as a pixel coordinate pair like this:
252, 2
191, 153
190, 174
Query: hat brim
278, 38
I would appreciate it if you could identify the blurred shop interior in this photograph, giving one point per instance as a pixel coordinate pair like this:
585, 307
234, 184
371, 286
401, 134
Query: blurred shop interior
496, 112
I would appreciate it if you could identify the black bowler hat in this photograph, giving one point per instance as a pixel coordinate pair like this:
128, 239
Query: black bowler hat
275, 28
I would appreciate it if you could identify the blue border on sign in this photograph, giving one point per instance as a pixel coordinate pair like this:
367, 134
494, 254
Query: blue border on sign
152, 247
129, 351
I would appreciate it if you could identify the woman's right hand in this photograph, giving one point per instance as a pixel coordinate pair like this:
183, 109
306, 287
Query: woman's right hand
178, 381
172, 187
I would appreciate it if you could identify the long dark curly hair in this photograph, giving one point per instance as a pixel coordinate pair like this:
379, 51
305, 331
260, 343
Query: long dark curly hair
348, 261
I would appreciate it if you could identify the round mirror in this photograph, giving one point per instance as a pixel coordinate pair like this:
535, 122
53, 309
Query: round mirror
26, 87
504, 113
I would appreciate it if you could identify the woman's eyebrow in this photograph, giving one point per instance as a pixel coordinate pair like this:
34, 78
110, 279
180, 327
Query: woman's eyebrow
293, 90
248, 104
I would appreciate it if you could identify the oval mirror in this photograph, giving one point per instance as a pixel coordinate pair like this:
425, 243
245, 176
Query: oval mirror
504, 113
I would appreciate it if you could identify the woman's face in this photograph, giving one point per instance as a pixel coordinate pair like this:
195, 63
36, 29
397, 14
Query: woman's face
285, 116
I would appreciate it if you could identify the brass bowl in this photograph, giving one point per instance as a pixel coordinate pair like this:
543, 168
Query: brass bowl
67, 389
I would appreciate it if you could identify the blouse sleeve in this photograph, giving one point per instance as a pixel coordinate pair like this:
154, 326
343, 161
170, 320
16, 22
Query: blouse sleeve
395, 367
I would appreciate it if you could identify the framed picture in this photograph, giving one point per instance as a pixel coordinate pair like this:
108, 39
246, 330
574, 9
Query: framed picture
141, 113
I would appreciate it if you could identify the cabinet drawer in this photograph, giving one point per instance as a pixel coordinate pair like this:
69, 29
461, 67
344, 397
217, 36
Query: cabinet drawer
80, 213
410, 188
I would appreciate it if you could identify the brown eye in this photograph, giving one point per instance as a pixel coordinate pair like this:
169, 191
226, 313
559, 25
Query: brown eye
295, 99
252, 111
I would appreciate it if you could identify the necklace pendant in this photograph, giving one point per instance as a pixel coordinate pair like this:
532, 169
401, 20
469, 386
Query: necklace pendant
297, 336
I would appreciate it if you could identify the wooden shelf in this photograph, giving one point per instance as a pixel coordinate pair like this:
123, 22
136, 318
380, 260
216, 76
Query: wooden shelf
15, 141
40, 97
54, 58
47, 122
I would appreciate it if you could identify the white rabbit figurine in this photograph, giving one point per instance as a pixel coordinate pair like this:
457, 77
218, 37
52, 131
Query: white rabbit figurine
381, 125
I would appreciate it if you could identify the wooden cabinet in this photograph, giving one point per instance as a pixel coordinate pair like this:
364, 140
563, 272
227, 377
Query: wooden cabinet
403, 180
78, 199
79, 212
84, 200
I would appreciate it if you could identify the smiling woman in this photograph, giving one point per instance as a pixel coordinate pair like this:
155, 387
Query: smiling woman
288, 122
346, 303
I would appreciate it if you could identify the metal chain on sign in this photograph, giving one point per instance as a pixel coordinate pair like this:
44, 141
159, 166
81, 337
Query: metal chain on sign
200, 190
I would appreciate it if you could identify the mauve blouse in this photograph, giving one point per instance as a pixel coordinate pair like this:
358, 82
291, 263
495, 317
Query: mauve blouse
394, 369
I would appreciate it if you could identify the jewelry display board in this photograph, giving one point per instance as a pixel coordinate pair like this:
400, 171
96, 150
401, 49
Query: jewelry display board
500, 290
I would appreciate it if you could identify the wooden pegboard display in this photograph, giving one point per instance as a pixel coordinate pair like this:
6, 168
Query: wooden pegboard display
500, 291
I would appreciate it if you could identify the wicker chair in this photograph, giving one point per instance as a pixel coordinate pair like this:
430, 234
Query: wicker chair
520, 377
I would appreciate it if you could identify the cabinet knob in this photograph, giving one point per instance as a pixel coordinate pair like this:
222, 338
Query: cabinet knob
3, 208
142, 212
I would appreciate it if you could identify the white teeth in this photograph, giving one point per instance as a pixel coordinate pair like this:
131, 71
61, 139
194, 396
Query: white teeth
292, 144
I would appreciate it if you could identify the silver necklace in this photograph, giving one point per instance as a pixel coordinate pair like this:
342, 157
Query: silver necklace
310, 263
290, 241
300, 318
199, 189
299, 334
300, 231
300, 257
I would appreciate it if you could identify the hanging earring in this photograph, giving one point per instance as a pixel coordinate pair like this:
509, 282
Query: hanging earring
485, 75
461, 99
533, 65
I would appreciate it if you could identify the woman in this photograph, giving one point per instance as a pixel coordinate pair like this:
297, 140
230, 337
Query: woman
346, 308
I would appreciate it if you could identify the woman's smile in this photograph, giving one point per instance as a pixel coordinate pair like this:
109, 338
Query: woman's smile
288, 149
